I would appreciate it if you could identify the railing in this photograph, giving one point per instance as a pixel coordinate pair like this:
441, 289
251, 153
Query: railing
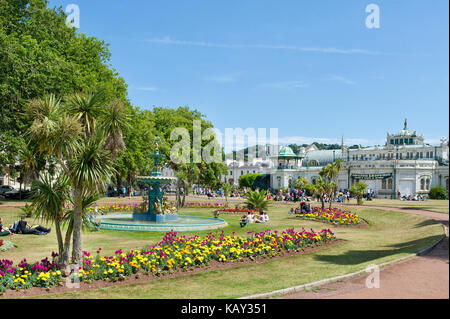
287, 167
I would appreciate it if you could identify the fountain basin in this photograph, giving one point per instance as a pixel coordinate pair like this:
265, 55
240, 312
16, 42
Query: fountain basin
182, 223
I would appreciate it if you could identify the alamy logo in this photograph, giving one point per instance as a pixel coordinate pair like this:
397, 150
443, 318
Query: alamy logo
73, 16
373, 19
373, 280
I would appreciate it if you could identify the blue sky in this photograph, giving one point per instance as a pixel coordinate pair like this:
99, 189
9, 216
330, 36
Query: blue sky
312, 69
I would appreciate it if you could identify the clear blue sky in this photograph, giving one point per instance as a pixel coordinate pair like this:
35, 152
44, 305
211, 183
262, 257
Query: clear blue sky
310, 68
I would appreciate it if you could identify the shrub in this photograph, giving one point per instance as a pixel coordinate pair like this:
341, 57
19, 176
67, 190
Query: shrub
438, 192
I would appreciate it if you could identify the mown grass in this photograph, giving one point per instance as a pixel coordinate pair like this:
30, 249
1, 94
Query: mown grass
390, 235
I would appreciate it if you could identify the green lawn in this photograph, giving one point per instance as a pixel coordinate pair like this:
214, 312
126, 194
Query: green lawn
390, 235
440, 206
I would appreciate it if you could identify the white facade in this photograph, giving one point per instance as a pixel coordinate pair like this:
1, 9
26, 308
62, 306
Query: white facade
405, 165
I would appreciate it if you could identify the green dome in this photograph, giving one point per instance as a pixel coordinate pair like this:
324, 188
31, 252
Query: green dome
286, 151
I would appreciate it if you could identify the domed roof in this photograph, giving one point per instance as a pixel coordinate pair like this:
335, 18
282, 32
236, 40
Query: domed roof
286, 151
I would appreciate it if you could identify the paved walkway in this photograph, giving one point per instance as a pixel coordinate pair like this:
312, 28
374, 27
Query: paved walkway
424, 277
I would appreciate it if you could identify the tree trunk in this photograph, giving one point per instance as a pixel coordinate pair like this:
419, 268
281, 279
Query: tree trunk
59, 239
65, 260
77, 224
322, 201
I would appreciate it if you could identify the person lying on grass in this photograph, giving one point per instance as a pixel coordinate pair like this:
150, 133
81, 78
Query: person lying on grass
24, 228
4, 231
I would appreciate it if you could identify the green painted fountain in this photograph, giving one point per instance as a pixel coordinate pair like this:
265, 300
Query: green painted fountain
159, 216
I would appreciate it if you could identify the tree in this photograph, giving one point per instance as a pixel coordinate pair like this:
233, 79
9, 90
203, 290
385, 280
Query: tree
226, 188
247, 180
438, 192
358, 190
320, 189
301, 182
49, 201
187, 175
70, 133
331, 172
40, 55
257, 200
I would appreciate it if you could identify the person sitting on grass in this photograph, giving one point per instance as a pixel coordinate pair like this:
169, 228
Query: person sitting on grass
4, 231
243, 220
24, 228
265, 217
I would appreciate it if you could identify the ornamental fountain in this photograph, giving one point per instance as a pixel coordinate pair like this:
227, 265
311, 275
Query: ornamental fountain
155, 214
157, 184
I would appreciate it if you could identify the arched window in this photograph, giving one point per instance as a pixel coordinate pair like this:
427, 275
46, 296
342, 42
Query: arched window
422, 184
390, 183
427, 184
383, 184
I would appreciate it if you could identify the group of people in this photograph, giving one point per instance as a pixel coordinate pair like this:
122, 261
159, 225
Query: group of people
415, 197
251, 218
303, 208
291, 194
22, 227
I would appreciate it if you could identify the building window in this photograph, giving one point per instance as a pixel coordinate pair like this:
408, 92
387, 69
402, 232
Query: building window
396, 141
422, 184
401, 141
231, 173
242, 172
431, 154
421, 154
383, 183
392, 141
410, 141
390, 183
427, 184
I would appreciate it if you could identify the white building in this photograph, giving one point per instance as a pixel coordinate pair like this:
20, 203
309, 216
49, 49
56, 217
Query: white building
405, 164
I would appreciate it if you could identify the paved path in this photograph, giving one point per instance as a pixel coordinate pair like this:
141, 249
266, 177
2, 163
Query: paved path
421, 277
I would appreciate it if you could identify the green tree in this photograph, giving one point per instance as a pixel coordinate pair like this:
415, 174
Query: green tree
49, 200
358, 190
71, 134
257, 200
226, 188
40, 55
438, 192
247, 180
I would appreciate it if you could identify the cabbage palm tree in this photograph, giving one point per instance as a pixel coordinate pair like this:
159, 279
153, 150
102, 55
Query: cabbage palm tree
49, 201
114, 121
257, 200
358, 190
89, 171
87, 108
320, 189
75, 135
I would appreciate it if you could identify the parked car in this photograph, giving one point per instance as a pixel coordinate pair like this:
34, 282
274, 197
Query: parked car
5, 188
15, 194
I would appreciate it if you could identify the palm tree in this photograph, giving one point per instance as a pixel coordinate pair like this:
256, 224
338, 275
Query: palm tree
226, 188
71, 134
320, 189
89, 171
359, 189
87, 108
187, 175
301, 182
114, 121
49, 200
257, 200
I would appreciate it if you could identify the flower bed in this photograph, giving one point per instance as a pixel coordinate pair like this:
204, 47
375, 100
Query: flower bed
205, 205
173, 252
333, 215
